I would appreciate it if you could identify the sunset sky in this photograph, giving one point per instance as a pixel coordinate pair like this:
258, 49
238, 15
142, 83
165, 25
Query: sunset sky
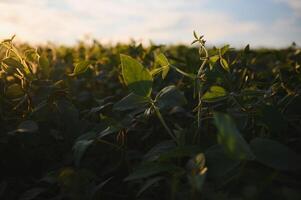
271, 23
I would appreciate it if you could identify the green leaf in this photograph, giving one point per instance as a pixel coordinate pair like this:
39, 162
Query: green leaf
219, 163
224, 49
155, 152
136, 77
14, 91
224, 64
80, 68
27, 126
130, 102
229, 136
150, 169
275, 155
214, 93
12, 62
170, 97
213, 59
163, 62
79, 149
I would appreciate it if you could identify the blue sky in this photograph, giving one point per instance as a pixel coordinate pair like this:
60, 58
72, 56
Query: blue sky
270, 23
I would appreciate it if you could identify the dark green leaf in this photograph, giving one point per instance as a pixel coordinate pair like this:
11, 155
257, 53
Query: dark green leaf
79, 149
170, 97
132, 101
275, 155
219, 163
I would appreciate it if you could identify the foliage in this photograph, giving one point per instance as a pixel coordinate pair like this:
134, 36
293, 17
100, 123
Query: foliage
158, 122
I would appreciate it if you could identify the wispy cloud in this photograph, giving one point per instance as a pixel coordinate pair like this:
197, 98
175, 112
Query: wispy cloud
66, 21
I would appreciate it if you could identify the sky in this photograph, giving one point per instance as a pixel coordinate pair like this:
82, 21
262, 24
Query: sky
260, 23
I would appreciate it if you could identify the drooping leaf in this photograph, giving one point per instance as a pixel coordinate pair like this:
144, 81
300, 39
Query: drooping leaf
170, 97
80, 68
136, 77
229, 136
275, 155
132, 101
214, 93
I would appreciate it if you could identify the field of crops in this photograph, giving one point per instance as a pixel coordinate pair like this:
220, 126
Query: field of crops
125, 121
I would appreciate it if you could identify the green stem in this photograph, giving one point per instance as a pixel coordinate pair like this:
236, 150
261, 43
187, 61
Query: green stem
192, 76
158, 113
201, 69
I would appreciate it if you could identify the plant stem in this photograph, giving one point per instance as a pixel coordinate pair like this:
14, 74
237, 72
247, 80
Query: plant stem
158, 113
201, 69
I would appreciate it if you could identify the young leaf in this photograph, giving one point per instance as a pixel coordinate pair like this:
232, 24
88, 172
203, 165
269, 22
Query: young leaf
80, 68
214, 93
130, 102
228, 136
136, 77
169, 97
163, 62
213, 59
275, 155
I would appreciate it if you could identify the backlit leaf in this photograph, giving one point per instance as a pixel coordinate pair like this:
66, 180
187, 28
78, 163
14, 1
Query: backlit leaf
230, 138
136, 77
80, 68
214, 93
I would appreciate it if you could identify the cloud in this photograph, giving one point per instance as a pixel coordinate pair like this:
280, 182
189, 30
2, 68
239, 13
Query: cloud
295, 5
66, 21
